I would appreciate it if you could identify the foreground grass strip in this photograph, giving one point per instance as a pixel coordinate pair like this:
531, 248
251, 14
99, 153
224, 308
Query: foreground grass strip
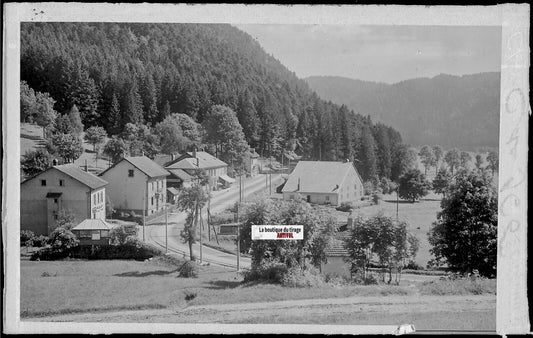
30, 314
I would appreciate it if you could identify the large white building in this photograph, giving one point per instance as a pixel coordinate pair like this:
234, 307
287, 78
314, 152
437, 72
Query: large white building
61, 187
324, 182
137, 184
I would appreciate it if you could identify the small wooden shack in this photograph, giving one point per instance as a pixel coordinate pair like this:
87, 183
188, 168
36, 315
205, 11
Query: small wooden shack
93, 232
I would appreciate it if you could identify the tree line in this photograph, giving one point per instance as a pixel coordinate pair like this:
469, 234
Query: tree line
120, 75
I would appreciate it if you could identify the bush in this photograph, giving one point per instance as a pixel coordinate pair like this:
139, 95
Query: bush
370, 279
222, 218
26, 235
460, 286
268, 271
40, 241
345, 206
63, 240
297, 277
189, 269
118, 235
48, 254
412, 265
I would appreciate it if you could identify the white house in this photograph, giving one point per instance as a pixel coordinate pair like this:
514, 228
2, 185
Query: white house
324, 182
61, 187
184, 167
137, 184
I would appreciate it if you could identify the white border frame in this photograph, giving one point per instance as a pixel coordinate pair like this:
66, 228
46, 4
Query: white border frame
512, 308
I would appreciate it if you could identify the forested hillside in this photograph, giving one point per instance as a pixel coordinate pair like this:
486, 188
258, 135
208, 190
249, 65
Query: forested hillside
453, 111
120, 73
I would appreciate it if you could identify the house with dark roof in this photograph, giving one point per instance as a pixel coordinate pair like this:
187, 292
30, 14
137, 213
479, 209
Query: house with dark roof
137, 184
185, 166
61, 187
324, 182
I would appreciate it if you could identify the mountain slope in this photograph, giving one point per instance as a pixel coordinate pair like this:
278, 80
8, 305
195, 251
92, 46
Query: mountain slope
119, 73
453, 111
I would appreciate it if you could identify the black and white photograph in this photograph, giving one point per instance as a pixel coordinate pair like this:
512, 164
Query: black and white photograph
267, 176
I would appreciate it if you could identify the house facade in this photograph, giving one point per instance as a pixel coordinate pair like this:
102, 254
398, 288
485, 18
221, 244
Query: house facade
185, 166
137, 184
251, 163
62, 187
324, 182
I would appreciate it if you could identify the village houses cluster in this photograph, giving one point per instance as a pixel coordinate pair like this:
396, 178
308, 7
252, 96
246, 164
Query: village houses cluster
141, 186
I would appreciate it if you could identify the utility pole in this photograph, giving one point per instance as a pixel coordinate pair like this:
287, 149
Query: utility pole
144, 209
238, 240
270, 171
197, 201
166, 228
397, 202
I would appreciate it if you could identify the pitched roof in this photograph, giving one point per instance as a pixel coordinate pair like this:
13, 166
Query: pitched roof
205, 161
173, 191
164, 159
317, 176
336, 247
144, 164
93, 224
90, 180
181, 174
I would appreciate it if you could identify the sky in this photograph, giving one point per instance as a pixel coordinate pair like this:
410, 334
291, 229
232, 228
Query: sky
381, 53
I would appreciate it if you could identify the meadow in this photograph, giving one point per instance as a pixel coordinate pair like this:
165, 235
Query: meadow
80, 286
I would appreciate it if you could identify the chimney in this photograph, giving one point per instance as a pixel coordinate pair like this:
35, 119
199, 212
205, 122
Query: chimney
298, 184
172, 157
194, 153
86, 167
347, 160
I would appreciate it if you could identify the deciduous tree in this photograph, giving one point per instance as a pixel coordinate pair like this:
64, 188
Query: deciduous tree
441, 181
437, 150
35, 161
493, 160
413, 185
191, 200
225, 133
464, 235
452, 158
428, 158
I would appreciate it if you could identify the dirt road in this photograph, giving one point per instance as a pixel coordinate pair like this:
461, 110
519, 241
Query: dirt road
425, 312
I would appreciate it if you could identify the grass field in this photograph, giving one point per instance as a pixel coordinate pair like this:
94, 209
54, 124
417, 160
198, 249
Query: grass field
72, 286
419, 217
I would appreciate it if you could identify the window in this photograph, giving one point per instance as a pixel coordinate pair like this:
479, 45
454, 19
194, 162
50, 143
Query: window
327, 198
95, 235
104, 233
130, 172
85, 233
55, 200
152, 200
43, 183
61, 182
55, 216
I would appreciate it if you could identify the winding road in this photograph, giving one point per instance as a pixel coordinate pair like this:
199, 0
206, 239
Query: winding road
220, 200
